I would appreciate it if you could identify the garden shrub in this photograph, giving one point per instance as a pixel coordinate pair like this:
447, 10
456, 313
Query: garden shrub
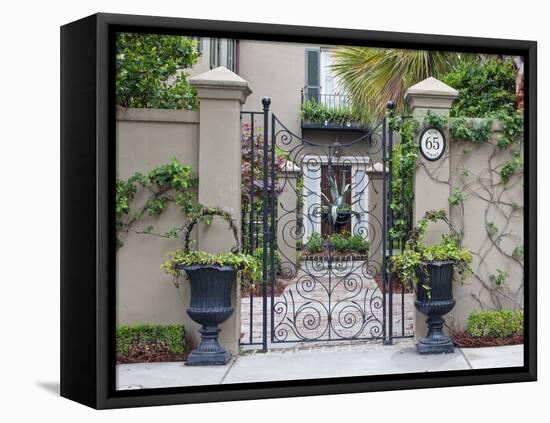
149, 339
150, 71
318, 113
358, 244
498, 323
314, 244
341, 242
258, 254
484, 88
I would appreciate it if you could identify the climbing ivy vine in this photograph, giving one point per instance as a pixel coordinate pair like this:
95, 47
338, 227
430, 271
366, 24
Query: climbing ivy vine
171, 183
405, 156
490, 185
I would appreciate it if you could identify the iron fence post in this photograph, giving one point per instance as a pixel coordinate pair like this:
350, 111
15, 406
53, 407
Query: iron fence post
384, 231
273, 227
266, 101
390, 107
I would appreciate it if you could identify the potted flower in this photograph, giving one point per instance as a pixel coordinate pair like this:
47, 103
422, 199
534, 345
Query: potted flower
212, 278
431, 269
336, 210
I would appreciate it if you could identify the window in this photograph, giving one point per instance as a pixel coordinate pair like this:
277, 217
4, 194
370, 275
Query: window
215, 50
328, 85
312, 87
320, 84
223, 52
231, 55
199, 42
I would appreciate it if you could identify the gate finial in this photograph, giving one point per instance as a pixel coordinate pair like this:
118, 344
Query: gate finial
266, 101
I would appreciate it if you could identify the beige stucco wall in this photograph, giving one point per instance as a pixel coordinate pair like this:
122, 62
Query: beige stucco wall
483, 162
275, 70
474, 169
148, 138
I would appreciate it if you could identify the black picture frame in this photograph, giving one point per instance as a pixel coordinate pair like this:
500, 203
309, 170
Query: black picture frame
87, 215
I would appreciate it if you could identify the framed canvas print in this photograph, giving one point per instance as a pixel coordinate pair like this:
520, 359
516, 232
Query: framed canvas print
254, 211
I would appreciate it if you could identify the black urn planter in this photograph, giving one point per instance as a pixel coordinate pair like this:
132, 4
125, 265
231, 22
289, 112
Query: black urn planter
342, 219
438, 275
210, 305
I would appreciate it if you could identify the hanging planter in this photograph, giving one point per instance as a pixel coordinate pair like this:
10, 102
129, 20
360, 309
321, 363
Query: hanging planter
212, 278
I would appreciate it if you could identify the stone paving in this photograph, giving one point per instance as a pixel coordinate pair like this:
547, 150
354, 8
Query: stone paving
301, 312
358, 359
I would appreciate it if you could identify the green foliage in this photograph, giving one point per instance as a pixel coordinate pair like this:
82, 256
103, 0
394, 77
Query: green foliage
342, 242
487, 90
258, 255
432, 119
150, 71
512, 129
358, 244
337, 201
168, 183
416, 253
492, 228
133, 339
517, 252
318, 113
512, 135
500, 278
477, 131
405, 156
373, 76
499, 323
456, 198
314, 244
484, 88
247, 264
512, 166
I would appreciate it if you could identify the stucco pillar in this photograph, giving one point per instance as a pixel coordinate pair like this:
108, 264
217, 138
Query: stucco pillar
376, 211
431, 183
221, 94
286, 217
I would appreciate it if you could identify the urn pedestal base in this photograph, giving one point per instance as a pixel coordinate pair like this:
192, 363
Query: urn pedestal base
424, 347
435, 342
209, 352
434, 299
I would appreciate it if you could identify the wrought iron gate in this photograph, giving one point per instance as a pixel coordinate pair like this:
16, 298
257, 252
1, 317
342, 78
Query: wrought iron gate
317, 210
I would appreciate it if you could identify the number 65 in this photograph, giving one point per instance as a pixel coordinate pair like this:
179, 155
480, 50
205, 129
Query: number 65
432, 144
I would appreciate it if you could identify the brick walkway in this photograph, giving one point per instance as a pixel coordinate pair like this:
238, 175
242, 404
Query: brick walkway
301, 312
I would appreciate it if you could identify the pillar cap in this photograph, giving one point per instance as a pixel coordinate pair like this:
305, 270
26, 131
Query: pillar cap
432, 86
430, 93
220, 83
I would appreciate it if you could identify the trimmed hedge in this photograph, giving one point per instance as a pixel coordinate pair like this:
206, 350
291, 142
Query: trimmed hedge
342, 242
133, 340
499, 323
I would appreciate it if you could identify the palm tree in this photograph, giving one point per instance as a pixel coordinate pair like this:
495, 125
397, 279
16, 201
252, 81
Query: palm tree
374, 76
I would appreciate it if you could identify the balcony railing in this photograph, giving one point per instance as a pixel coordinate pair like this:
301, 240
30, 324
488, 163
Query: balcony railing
329, 112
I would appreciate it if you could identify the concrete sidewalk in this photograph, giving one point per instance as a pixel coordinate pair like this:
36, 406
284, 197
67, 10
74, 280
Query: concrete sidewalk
317, 362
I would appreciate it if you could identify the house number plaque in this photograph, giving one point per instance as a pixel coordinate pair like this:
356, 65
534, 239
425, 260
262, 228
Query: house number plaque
432, 144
